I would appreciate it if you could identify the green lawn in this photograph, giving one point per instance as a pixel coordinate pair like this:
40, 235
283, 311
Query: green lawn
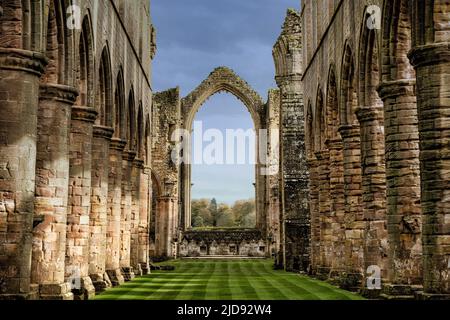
225, 280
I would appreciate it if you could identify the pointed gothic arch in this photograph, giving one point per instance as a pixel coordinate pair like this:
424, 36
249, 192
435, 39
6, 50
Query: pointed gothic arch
104, 100
332, 105
131, 122
348, 103
320, 127
222, 79
119, 108
85, 76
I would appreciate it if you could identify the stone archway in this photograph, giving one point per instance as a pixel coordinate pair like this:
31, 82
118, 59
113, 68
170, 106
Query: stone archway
222, 79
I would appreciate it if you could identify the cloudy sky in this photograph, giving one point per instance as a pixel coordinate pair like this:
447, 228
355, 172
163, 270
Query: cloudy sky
196, 36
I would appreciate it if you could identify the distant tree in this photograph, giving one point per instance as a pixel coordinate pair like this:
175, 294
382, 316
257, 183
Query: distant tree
225, 216
208, 213
213, 210
201, 216
244, 213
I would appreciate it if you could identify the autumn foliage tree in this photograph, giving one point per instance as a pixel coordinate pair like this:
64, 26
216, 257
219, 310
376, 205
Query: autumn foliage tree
209, 214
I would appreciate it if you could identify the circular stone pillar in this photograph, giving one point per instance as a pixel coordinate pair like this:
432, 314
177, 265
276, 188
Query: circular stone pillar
52, 183
114, 211
99, 207
20, 71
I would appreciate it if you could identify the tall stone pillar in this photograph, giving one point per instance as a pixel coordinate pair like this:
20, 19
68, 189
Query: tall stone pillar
114, 211
126, 215
78, 222
373, 170
52, 183
403, 187
167, 225
337, 207
316, 261
136, 172
354, 219
294, 174
20, 71
99, 207
323, 161
144, 220
432, 64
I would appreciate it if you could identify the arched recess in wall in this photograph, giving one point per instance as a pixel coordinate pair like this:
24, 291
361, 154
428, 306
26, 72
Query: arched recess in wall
21, 24
349, 100
85, 76
320, 128
397, 41
369, 68
120, 109
104, 101
156, 194
131, 122
222, 79
332, 106
147, 140
57, 44
141, 133
310, 141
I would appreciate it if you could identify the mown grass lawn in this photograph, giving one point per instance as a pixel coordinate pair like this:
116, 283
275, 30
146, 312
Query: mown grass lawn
225, 280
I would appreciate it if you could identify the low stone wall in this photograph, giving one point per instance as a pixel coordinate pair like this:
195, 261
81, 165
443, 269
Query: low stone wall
243, 242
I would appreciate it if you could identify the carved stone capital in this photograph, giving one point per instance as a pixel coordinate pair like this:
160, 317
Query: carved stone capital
430, 54
23, 60
103, 132
118, 144
284, 80
349, 131
147, 170
369, 114
323, 155
334, 144
138, 163
129, 155
312, 162
393, 89
58, 92
86, 114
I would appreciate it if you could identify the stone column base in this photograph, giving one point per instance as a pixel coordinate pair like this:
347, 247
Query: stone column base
101, 282
56, 292
138, 271
116, 278
335, 276
350, 281
399, 291
145, 268
371, 294
85, 290
32, 295
322, 273
128, 273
